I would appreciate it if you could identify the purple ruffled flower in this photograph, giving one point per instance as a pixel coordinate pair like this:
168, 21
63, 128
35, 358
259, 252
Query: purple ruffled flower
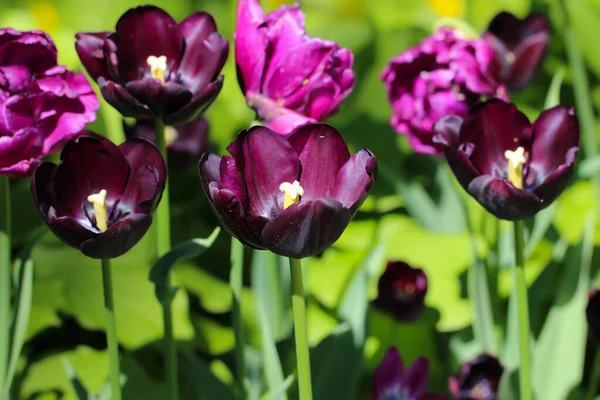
443, 75
288, 77
392, 381
42, 104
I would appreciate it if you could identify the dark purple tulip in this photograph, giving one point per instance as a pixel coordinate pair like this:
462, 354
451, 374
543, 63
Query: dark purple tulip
402, 291
151, 66
512, 167
478, 379
42, 104
520, 45
185, 143
288, 77
443, 75
293, 196
592, 312
392, 382
100, 197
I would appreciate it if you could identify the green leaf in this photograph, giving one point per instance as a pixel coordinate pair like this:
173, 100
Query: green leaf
278, 393
584, 17
574, 205
78, 387
159, 274
553, 95
204, 383
482, 12
509, 385
559, 354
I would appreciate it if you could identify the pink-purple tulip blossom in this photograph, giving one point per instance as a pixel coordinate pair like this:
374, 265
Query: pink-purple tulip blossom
288, 77
445, 74
153, 67
42, 104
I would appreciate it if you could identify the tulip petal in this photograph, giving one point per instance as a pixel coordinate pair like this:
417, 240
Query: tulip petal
69, 230
494, 127
279, 119
355, 180
33, 49
388, 374
88, 165
528, 58
148, 172
555, 133
90, 48
557, 181
142, 32
119, 238
322, 153
203, 63
266, 161
415, 378
42, 188
23, 145
503, 200
306, 228
125, 103
197, 105
250, 45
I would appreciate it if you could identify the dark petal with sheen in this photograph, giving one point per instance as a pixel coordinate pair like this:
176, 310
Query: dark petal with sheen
447, 131
42, 188
493, 128
119, 238
528, 58
197, 105
125, 103
147, 91
195, 28
306, 228
69, 230
90, 48
558, 180
203, 63
503, 200
481, 374
355, 180
322, 152
142, 32
388, 374
416, 377
555, 133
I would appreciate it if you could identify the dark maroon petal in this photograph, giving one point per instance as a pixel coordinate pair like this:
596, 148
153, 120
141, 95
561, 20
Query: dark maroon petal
306, 228
355, 180
506, 27
119, 98
482, 374
147, 91
267, 160
503, 200
119, 238
88, 165
388, 375
322, 152
415, 378
174, 97
209, 171
493, 128
90, 48
401, 291
190, 143
148, 173
447, 131
555, 134
461, 166
197, 27
142, 32
42, 188
528, 58
197, 105
558, 180
69, 230
250, 45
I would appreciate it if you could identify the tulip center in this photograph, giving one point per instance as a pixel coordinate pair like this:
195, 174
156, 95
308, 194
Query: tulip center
509, 57
516, 160
292, 191
100, 209
170, 135
158, 66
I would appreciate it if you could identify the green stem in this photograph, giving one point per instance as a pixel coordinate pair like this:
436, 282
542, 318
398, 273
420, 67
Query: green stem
236, 282
595, 378
163, 232
300, 331
111, 331
522, 312
5, 277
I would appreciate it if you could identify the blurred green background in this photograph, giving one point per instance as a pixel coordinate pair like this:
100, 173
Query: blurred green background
414, 215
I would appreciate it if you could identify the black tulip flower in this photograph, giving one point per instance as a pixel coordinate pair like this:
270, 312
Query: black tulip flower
592, 312
185, 143
293, 196
392, 381
152, 66
402, 291
512, 167
520, 45
477, 379
100, 198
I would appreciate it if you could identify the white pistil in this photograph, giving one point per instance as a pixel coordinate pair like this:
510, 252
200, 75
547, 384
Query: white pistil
292, 192
516, 160
158, 66
170, 135
100, 209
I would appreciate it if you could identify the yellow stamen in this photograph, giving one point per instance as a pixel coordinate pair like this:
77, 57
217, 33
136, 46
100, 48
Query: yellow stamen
158, 66
170, 135
100, 209
292, 191
516, 160
510, 57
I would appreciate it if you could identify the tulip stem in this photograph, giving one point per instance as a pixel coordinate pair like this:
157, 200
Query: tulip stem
163, 225
5, 278
111, 331
236, 283
594, 378
300, 331
522, 312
